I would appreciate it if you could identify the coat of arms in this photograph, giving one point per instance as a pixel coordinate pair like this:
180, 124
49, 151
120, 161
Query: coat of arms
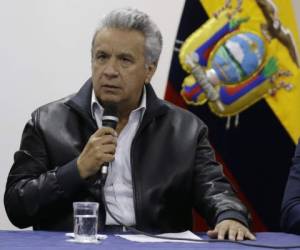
231, 62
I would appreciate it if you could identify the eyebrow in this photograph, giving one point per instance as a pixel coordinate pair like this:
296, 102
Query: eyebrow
124, 54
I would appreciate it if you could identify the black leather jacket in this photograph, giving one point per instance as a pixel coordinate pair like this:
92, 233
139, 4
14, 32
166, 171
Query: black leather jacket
173, 168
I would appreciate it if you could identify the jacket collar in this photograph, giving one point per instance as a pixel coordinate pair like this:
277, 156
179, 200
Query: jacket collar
154, 107
81, 103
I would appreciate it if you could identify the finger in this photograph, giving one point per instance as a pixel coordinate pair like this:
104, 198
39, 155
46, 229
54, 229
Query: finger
212, 233
250, 236
105, 139
232, 234
98, 142
107, 157
241, 235
103, 154
105, 131
222, 232
107, 149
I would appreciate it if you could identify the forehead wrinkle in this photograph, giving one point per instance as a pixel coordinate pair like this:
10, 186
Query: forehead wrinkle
117, 52
120, 53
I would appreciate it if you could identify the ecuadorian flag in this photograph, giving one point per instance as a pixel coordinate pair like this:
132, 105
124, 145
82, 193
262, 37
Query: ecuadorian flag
256, 151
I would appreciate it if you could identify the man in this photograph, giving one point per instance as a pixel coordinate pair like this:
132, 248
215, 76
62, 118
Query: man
290, 210
161, 163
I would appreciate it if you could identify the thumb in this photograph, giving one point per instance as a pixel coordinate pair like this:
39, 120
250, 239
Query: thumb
212, 233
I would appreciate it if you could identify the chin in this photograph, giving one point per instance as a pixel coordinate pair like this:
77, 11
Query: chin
109, 99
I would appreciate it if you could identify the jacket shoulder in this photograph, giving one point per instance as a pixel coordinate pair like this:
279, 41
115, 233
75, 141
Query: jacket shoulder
181, 113
53, 106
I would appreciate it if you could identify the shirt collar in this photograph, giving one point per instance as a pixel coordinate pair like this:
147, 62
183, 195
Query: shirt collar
97, 107
95, 104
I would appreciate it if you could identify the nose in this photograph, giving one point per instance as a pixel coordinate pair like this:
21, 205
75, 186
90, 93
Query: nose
111, 69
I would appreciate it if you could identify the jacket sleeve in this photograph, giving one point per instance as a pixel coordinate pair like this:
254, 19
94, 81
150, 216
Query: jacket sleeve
213, 195
34, 188
290, 210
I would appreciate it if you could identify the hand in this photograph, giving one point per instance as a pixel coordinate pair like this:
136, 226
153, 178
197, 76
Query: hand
233, 229
100, 148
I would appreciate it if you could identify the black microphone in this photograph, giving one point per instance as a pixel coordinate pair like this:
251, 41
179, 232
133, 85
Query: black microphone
109, 119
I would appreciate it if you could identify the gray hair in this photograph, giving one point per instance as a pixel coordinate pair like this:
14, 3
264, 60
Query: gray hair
133, 19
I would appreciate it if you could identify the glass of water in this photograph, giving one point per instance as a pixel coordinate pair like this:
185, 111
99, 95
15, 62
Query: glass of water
85, 221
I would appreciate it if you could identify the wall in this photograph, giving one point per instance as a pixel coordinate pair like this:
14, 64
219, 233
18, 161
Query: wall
45, 55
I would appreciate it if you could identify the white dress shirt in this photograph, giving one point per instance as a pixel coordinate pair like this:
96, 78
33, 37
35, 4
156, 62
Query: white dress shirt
118, 187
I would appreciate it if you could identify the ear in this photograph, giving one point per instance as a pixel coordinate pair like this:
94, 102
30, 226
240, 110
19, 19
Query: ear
150, 70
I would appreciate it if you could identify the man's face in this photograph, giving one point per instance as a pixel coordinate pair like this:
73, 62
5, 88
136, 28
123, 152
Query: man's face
118, 67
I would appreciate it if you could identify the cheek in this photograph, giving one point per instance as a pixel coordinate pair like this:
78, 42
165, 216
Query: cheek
140, 78
95, 71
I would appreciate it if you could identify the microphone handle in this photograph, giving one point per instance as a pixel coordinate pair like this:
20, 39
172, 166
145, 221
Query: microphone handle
104, 168
108, 120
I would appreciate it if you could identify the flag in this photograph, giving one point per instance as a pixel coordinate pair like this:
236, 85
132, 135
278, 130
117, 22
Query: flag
237, 67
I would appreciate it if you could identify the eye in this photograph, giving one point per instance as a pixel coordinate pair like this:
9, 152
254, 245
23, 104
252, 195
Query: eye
101, 57
126, 61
